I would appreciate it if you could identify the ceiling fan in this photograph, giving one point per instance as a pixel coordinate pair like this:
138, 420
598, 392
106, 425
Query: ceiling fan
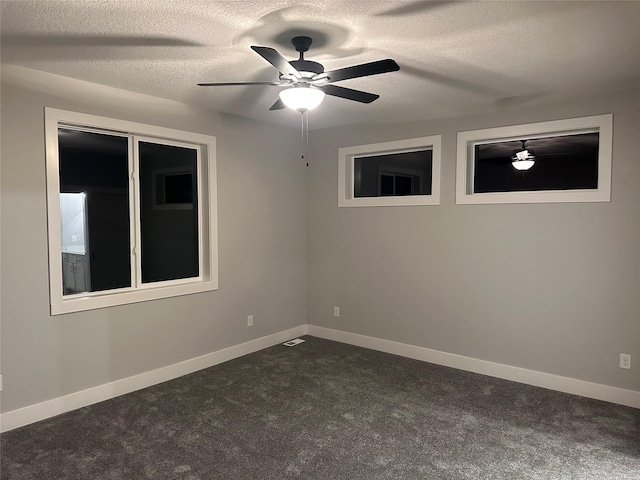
305, 82
523, 158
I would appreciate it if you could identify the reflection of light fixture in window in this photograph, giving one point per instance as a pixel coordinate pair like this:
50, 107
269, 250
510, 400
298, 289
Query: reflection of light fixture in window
523, 159
302, 97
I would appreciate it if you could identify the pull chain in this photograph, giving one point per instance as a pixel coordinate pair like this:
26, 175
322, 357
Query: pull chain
305, 116
305, 134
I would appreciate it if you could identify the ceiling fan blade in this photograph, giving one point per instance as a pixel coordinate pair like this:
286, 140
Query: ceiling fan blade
363, 70
234, 84
349, 94
413, 8
274, 58
279, 105
70, 40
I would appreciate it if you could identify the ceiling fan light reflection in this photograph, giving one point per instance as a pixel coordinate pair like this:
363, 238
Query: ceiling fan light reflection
523, 159
302, 98
522, 164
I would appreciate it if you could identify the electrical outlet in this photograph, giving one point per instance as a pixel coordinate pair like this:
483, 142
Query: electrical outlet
625, 360
250, 321
336, 311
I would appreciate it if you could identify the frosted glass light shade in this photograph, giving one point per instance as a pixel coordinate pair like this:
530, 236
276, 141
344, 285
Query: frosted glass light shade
302, 98
522, 164
523, 159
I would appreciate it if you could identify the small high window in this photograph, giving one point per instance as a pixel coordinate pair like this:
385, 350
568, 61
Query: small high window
559, 161
131, 212
404, 172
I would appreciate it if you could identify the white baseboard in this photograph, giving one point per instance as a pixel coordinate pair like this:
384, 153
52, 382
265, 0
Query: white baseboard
40, 411
597, 391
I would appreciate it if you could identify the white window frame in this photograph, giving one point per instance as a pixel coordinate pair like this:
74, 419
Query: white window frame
346, 172
603, 124
207, 279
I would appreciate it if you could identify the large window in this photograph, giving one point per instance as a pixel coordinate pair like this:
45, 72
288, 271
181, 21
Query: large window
132, 211
558, 161
403, 172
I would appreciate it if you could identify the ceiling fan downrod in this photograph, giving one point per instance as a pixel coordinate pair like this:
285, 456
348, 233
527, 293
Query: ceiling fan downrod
307, 68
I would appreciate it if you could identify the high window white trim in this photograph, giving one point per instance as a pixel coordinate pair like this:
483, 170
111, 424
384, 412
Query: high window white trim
467, 141
346, 172
205, 145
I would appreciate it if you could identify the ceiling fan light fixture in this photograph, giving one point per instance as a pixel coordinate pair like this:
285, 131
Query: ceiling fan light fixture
302, 98
522, 164
523, 159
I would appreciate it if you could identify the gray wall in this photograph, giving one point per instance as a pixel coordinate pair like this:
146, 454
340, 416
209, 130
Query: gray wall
262, 249
444, 277
451, 277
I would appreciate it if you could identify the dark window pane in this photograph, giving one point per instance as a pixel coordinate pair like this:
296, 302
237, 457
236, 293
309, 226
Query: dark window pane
566, 162
386, 185
178, 188
94, 203
407, 173
403, 185
168, 212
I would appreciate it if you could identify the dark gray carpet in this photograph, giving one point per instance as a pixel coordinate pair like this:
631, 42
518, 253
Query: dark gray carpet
325, 410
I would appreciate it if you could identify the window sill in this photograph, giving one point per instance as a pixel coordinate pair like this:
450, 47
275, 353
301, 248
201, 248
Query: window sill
390, 201
80, 302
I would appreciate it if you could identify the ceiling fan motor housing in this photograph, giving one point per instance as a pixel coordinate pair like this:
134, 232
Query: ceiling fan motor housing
307, 66
302, 44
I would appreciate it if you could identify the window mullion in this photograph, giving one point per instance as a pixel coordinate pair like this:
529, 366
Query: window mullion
134, 209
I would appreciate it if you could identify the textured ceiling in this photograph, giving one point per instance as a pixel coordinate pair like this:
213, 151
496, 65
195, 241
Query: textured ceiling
455, 58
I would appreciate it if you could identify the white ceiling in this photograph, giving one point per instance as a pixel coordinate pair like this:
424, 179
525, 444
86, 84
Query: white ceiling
455, 58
